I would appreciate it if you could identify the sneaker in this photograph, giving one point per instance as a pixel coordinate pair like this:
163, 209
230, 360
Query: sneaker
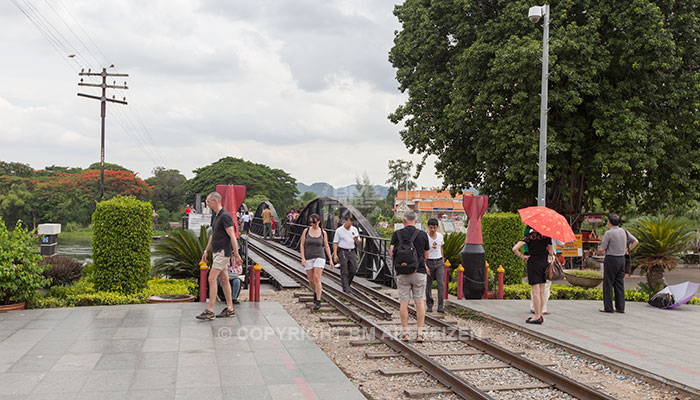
429, 310
226, 313
317, 305
441, 311
236, 301
206, 314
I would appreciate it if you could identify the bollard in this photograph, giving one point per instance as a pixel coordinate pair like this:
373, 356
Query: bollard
486, 282
460, 282
251, 283
500, 282
447, 276
203, 281
257, 269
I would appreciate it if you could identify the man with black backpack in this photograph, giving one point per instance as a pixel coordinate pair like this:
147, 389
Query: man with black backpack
409, 250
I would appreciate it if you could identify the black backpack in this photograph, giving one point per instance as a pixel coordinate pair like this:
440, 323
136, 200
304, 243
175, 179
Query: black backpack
406, 258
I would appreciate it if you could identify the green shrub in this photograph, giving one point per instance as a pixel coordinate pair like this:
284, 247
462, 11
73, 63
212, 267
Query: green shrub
179, 254
121, 245
585, 273
452, 249
501, 232
170, 286
62, 270
20, 274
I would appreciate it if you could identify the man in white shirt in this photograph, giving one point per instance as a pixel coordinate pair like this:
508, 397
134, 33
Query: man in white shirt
436, 265
246, 221
344, 242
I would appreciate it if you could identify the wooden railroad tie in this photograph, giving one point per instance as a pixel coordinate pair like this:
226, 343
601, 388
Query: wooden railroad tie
331, 318
341, 324
377, 341
456, 367
305, 299
302, 294
468, 352
420, 392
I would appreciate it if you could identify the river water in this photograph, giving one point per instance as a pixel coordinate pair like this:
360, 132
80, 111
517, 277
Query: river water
81, 248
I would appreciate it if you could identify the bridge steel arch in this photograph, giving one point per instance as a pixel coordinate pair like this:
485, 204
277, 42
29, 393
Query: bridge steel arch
256, 226
374, 261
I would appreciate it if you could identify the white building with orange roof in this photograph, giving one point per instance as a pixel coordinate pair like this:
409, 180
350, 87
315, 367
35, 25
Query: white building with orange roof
434, 204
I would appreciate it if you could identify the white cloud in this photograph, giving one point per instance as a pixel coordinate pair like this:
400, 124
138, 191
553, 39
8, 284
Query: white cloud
304, 86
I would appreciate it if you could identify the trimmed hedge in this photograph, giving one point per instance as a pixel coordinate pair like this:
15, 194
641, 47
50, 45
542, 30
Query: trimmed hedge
501, 232
121, 247
20, 274
84, 293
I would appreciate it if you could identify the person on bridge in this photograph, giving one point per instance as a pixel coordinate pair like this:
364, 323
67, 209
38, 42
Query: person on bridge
314, 248
223, 244
246, 221
409, 251
344, 240
267, 222
436, 266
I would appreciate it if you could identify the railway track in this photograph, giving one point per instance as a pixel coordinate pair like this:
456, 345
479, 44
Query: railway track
480, 354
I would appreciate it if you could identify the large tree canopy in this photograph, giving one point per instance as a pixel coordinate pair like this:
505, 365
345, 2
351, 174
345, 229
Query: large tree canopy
275, 184
168, 189
624, 95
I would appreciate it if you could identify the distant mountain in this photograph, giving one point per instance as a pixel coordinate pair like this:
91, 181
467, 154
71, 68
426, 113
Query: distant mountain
344, 192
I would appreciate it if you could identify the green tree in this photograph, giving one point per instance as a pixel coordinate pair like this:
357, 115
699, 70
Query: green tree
304, 200
623, 99
168, 189
366, 199
254, 201
18, 204
276, 184
400, 175
110, 166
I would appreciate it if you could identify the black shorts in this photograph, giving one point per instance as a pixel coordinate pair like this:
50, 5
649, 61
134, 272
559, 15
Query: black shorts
535, 269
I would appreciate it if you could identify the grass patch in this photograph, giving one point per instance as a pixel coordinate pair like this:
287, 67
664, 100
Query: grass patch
585, 273
464, 313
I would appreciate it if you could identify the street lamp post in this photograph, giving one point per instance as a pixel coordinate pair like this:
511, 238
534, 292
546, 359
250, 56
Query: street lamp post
535, 14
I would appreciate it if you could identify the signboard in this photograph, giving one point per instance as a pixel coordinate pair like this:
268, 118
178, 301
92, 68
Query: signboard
573, 249
197, 220
593, 219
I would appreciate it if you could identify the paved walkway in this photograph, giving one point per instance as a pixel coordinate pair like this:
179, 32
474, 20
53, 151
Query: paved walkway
654, 342
162, 352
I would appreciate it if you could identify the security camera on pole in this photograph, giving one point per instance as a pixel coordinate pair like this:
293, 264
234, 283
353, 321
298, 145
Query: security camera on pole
535, 14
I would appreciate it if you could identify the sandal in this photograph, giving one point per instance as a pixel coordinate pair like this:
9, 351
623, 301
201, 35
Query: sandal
404, 337
420, 338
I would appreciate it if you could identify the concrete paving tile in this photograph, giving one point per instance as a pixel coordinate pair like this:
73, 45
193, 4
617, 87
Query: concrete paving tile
98, 333
322, 372
105, 323
124, 345
286, 392
76, 362
196, 377
161, 344
195, 332
152, 379
19, 383
83, 346
27, 335
238, 376
197, 359
102, 396
61, 382
51, 396
192, 344
42, 324
228, 358
118, 361
34, 363
24, 314
160, 394
337, 391
258, 392
109, 381
280, 374
136, 322
158, 360
14, 323
169, 314
5, 333
213, 393
138, 332
161, 332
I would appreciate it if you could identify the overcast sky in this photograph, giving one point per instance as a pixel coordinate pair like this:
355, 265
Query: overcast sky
301, 85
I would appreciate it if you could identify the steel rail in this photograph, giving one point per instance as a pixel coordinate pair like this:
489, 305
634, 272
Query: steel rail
365, 303
335, 276
448, 378
551, 377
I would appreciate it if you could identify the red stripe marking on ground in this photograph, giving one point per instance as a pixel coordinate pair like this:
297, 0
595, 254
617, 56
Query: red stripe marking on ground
276, 342
522, 316
305, 389
690, 371
287, 360
571, 332
623, 349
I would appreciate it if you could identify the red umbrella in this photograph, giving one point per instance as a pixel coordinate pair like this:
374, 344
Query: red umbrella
548, 223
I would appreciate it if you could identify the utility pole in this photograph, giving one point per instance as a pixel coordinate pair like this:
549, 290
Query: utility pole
103, 99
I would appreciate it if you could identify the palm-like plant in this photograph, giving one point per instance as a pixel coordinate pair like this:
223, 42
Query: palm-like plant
452, 249
180, 253
662, 241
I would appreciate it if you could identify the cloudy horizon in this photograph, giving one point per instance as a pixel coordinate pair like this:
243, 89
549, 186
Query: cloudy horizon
302, 86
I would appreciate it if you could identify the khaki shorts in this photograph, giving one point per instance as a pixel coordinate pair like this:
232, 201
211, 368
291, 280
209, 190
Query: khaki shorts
219, 261
411, 286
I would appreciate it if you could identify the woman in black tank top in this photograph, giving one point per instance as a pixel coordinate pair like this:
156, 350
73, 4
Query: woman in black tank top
314, 241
